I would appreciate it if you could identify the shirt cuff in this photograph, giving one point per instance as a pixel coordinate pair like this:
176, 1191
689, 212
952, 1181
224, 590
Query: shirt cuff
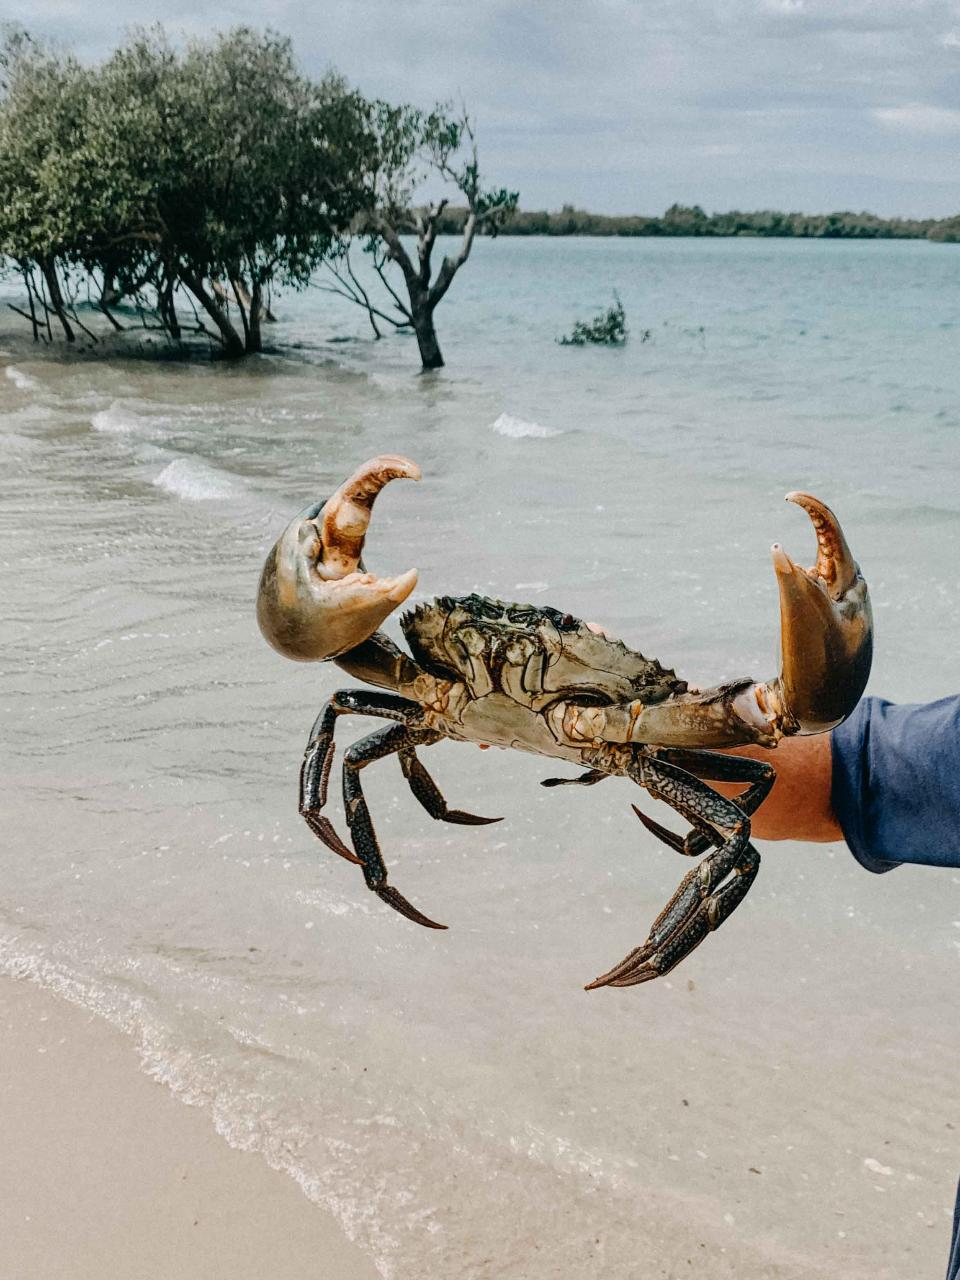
849, 793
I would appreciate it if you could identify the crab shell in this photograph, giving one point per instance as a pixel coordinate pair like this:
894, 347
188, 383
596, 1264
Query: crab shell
316, 602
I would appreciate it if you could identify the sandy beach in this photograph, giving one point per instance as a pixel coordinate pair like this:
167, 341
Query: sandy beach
103, 1174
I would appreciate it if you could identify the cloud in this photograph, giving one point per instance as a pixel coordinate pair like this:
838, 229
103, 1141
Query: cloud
627, 106
721, 149
919, 117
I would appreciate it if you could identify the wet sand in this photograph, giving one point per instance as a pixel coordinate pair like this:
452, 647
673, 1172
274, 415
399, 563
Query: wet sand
103, 1173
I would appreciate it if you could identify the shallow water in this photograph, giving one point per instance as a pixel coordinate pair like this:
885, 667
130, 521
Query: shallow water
782, 1105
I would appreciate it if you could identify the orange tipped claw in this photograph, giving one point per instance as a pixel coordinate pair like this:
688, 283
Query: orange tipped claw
314, 601
826, 630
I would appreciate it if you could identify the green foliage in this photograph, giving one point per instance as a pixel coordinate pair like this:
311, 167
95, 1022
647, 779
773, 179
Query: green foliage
409, 147
214, 172
180, 169
43, 128
691, 220
251, 168
947, 231
606, 329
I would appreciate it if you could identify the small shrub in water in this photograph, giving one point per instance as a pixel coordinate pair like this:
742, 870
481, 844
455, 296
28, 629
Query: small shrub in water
607, 329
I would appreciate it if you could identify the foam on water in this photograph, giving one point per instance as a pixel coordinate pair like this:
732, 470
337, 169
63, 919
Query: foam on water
352, 1154
120, 420
22, 381
192, 479
520, 429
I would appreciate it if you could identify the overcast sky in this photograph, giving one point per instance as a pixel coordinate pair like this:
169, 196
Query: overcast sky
626, 106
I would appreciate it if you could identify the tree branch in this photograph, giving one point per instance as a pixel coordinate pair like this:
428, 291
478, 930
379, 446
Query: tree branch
347, 291
243, 311
451, 266
37, 335
401, 307
428, 238
371, 310
397, 252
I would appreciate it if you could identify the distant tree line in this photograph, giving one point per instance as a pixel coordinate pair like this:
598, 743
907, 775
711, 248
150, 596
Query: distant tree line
185, 185
691, 220
179, 187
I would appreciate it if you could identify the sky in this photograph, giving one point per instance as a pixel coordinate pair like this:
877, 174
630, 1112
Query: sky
626, 106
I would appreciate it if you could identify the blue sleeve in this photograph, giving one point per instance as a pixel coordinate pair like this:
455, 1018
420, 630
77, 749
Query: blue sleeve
896, 783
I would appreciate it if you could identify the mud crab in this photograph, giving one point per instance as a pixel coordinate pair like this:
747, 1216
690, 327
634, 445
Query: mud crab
540, 680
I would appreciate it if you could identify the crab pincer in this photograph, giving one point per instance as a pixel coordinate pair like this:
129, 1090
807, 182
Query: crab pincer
826, 628
315, 601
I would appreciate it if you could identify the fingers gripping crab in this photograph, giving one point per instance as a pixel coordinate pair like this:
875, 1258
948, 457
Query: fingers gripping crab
515, 675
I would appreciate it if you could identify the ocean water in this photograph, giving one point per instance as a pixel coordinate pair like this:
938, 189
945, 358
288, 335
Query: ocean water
784, 1104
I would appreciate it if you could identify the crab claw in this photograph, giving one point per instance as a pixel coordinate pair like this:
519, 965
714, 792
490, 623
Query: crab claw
826, 631
315, 601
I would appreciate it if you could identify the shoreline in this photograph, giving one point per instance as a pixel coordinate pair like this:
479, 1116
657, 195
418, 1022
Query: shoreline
104, 1173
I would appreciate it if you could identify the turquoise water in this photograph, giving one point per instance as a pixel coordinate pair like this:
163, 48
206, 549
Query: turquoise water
459, 1101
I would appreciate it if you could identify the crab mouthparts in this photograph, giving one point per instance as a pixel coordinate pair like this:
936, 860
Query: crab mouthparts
315, 600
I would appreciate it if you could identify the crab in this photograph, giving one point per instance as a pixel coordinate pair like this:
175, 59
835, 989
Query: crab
540, 680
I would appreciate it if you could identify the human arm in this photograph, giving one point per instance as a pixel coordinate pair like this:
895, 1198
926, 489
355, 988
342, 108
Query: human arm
887, 781
799, 805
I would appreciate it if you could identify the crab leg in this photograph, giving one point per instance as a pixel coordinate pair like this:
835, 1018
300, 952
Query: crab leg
318, 757
705, 896
376, 745
426, 790
315, 776
715, 767
400, 738
315, 601
588, 779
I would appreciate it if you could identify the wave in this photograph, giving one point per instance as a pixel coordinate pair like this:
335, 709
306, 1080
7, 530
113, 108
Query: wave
496, 1194
195, 481
118, 420
520, 429
22, 381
